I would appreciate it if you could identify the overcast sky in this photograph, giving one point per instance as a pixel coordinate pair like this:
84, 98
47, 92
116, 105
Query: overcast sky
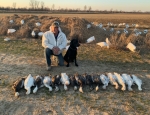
125, 5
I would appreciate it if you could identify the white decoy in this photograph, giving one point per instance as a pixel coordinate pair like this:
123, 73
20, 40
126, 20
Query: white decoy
127, 26
125, 31
137, 81
90, 39
128, 81
121, 81
88, 26
33, 34
104, 29
104, 44
11, 31
65, 80
118, 32
104, 80
28, 83
131, 47
112, 80
112, 29
38, 24
47, 82
133, 25
136, 25
7, 39
108, 42
123, 23
11, 21
100, 25
120, 24
40, 34
145, 31
22, 22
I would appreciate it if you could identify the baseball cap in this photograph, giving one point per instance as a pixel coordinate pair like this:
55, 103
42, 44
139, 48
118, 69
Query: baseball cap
55, 24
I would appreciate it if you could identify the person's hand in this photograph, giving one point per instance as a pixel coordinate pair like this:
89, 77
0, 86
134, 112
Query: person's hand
56, 50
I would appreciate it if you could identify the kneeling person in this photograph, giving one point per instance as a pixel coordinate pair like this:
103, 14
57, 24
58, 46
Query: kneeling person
54, 41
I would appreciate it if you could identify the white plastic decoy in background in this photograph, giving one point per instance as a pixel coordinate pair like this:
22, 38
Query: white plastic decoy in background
108, 42
118, 32
33, 34
145, 31
112, 29
121, 81
137, 81
100, 25
90, 39
125, 31
65, 80
38, 24
88, 26
113, 80
131, 47
104, 44
7, 39
22, 22
128, 81
40, 34
11, 31
29, 82
11, 21
104, 29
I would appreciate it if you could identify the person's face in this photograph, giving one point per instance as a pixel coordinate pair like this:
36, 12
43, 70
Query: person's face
54, 29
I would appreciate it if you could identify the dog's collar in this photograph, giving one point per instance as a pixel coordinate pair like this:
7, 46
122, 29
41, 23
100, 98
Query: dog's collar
73, 49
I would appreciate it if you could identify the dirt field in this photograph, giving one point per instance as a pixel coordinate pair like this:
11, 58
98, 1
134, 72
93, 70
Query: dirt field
103, 102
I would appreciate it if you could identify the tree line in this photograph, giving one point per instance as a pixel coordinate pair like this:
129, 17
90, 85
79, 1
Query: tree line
35, 5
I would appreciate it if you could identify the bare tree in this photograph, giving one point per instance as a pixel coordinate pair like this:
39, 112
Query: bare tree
32, 4
111, 10
42, 5
14, 5
53, 6
36, 4
90, 8
85, 8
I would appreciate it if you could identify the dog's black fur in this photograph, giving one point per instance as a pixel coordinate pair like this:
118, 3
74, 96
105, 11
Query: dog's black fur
71, 53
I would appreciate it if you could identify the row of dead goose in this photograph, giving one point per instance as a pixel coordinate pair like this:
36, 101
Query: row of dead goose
94, 81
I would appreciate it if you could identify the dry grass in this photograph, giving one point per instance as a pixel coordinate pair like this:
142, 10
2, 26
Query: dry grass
76, 24
20, 57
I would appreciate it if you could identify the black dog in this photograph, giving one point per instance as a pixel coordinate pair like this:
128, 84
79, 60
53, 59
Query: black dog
71, 53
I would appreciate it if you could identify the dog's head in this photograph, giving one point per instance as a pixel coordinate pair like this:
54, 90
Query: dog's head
74, 43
